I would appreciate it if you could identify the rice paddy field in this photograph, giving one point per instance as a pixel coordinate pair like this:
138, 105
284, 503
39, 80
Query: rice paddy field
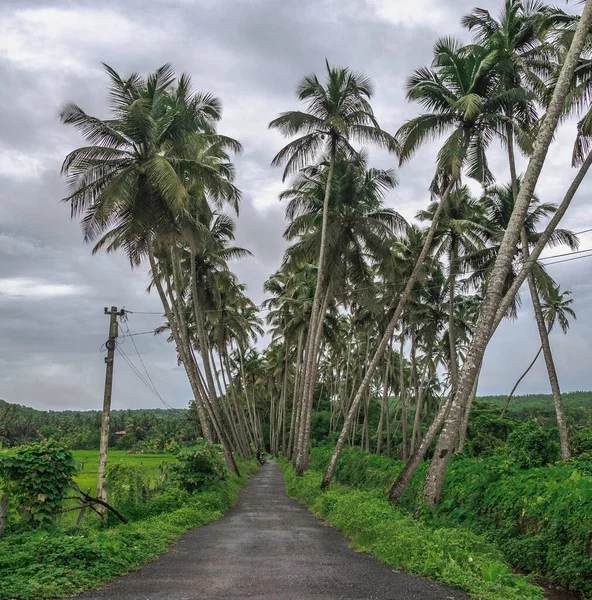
88, 465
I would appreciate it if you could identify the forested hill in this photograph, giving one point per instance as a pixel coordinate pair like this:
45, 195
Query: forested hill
578, 407
152, 427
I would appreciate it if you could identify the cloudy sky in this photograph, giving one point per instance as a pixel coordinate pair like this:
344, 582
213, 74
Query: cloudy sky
251, 53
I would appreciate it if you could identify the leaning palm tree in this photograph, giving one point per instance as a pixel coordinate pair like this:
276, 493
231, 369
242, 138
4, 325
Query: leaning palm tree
133, 183
489, 308
556, 307
338, 112
459, 93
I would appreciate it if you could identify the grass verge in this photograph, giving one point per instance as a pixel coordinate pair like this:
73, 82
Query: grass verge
55, 563
455, 556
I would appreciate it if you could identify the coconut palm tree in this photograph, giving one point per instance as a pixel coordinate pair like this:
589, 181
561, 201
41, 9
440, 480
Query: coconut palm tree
338, 112
461, 231
139, 178
459, 90
488, 312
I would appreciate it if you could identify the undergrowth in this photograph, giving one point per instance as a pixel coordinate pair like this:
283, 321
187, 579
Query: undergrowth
455, 556
540, 518
58, 562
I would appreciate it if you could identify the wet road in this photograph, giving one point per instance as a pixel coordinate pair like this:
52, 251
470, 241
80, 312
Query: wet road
268, 547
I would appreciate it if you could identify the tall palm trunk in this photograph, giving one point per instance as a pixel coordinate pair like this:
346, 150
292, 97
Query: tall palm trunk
403, 396
187, 362
419, 263
316, 316
487, 315
384, 406
510, 396
400, 484
295, 396
550, 363
205, 356
416, 433
451, 333
465, 421
305, 419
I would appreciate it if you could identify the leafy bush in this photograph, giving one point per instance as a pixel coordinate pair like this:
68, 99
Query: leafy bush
454, 556
540, 518
581, 444
37, 477
529, 445
198, 465
54, 563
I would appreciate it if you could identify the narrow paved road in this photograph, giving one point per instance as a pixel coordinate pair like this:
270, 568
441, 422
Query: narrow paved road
268, 547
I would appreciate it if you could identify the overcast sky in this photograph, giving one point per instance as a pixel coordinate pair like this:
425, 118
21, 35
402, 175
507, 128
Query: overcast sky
251, 53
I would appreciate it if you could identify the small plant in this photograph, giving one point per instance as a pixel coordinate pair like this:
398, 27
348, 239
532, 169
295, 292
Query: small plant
198, 465
37, 478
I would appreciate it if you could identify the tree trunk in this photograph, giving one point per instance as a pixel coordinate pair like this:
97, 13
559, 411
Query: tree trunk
205, 356
465, 422
451, 333
387, 334
295, 396
416, 434
303, 450
487, 314
181, 350
553, 379
518, 382
402, 481
310, 356
403, 396
384, 405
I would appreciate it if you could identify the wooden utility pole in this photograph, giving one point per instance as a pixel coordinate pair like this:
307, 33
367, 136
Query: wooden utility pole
111, 342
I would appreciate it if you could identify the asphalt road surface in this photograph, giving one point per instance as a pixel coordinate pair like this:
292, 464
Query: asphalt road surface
268, 547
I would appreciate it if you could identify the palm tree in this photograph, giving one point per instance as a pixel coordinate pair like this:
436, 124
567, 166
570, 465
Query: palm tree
140, 177
338, 111
555, 307
459, 90
488, 312
461, 231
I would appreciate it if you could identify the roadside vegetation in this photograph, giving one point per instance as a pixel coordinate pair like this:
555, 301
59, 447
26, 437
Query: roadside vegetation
48, 553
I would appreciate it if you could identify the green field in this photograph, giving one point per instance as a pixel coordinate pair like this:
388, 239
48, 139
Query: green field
88, 461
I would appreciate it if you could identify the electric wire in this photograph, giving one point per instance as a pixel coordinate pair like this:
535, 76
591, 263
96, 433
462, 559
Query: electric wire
142, 363
141, 377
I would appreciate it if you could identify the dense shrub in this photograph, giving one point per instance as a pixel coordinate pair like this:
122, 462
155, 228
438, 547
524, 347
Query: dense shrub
541, 518
455, 556
198, 465
37, 478
581, 444
529, 445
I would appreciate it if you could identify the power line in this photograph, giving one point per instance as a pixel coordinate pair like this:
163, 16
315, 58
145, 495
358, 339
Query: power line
141, 377
142, 362
566, 254
568, 260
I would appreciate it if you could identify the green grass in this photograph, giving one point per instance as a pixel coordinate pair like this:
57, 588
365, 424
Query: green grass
451, 555
87, 475
61, 561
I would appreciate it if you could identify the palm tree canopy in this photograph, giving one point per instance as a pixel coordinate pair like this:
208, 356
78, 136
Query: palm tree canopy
338, 111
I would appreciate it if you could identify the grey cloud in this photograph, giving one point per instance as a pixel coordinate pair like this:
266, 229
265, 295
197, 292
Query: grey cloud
252, 55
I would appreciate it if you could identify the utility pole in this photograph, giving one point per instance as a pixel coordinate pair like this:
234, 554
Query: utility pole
104, 447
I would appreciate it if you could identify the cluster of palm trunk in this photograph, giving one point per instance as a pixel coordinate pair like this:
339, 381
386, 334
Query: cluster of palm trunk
519, 77
359, 288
